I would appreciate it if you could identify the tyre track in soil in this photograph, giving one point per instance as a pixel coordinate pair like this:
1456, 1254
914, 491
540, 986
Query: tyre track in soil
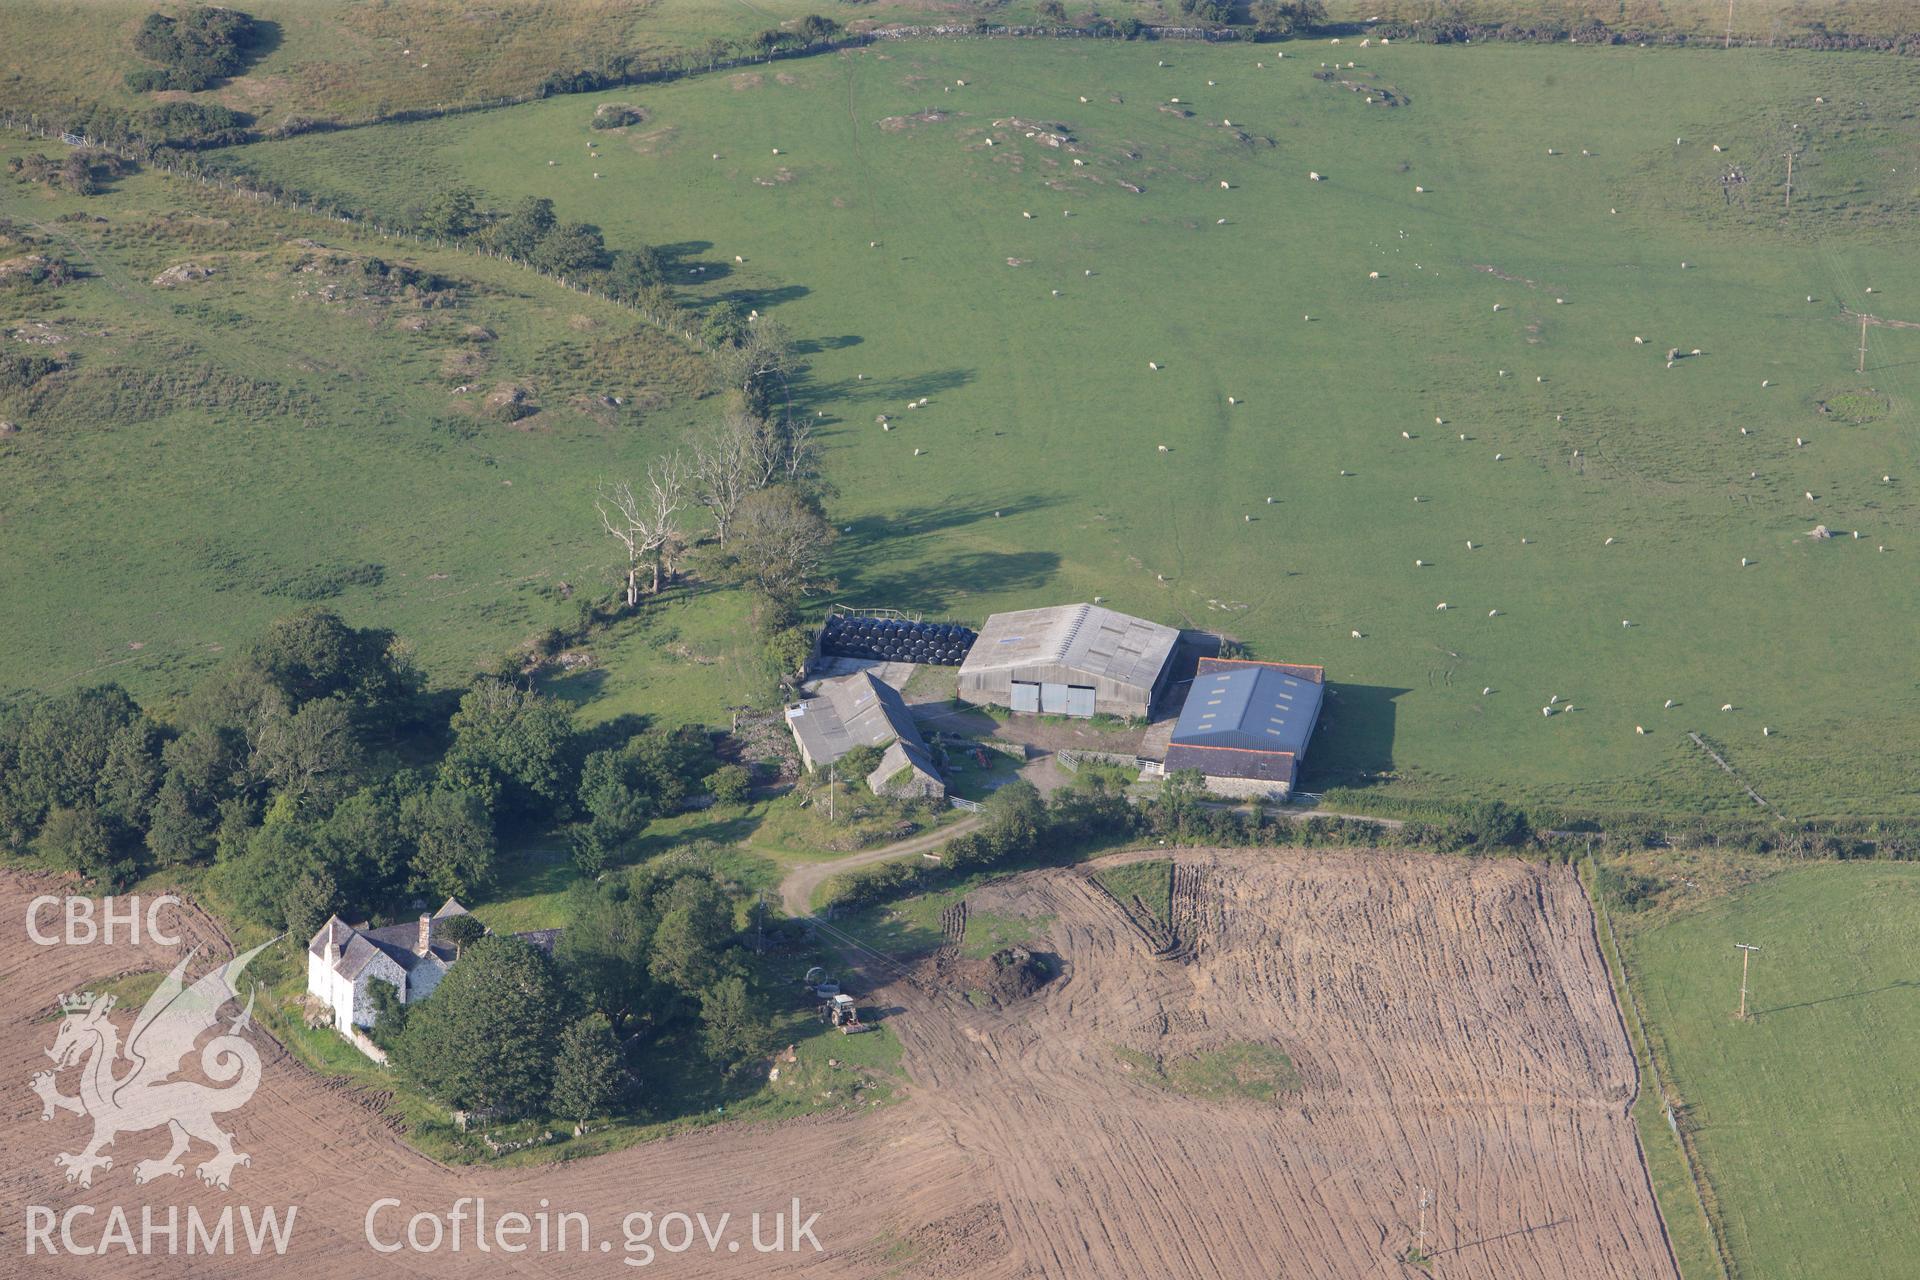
1450, 1022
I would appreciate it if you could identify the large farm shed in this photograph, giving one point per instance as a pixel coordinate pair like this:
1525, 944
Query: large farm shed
1069, 659
1246, 725
860, 710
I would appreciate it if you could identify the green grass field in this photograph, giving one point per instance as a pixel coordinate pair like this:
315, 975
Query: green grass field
1802, 1117
1040, 478
220, 452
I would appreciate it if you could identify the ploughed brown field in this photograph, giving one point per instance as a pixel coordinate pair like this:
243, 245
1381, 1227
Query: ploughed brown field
1449, 1020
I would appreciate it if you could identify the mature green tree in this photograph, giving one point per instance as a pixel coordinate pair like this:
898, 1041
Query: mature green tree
570, 249
452, 836
364, 842
131, 774
453, 213
1015, 816
81, 840
462, 932
59, 748
728, 1029
780, 542
587, 1071
605, 945
313, 653
511, 744
485, 1038
632, 272
520, 232
696, 925
310, 900
311, 753
260, 878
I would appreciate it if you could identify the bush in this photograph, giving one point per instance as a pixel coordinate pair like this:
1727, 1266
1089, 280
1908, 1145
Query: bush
617, 115
730, 783
17, 373
877, 883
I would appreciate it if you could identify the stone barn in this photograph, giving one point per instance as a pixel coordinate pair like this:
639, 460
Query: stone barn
1069, 659
1246, 725
862, 710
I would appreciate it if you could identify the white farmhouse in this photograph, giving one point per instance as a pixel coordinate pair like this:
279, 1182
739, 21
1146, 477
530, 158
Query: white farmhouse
343, 960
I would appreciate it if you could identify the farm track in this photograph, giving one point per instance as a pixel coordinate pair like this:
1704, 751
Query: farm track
1449, 1018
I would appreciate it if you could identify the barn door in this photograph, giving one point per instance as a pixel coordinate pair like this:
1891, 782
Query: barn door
1026, 695
1079, 699
1053, 698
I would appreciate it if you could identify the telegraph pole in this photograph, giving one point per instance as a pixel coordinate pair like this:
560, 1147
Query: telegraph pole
1746, 956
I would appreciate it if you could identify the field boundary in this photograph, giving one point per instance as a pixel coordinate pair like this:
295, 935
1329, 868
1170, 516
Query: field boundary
1615, 959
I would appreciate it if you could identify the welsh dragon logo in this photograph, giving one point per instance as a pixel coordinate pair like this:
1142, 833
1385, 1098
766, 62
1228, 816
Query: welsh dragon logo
126, 1090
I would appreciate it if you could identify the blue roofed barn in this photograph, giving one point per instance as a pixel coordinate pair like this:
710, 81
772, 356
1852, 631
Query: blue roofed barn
1246, 725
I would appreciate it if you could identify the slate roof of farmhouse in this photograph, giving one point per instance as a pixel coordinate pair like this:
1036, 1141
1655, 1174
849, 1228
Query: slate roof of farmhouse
358, 947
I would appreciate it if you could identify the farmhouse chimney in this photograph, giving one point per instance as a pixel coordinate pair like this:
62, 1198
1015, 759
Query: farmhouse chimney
426, 934
333, 949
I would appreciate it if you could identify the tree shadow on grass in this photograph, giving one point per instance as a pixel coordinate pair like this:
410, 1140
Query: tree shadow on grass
883, 535
897, 389
1353, 743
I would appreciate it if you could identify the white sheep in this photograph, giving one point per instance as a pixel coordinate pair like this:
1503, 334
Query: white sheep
916, 453
1484, 692
1639, 730
1726, 706
1810, 497
1231, 400
1626, 622
1248, 519
1609, 542
1419, 191
1419, 564
1498, 457
1744, 562
1356, 635
1440, 606
1669, 705
1469, 544
1373, 275
1552, 699
1163, 448
1493, 613
1312, 176
1765, 383
1438, 422
1799, 442
1224, 185
1639, 341
1406, 435
1766, 731
1025, 214
1546, 711
1153, 365
1269, 501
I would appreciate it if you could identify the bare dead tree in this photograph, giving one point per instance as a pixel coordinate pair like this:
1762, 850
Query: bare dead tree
646, 521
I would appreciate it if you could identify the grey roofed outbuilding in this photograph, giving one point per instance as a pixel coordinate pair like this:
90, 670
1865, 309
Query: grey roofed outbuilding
861, 710
1124, 660
1246, 719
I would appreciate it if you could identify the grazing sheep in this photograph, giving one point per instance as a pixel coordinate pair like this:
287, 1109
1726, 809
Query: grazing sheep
1726, 706
1439, 422
1743, 431
1498, 457
1419, 564
1765, 383
1441, 605
1716, 146
1056, 293
916, 453
1025, 214
1083, 97
1231, 400
1886, 479
1484, 692
1799, 442
1810, 497
1609, 542
1269, 501
1406, 435
1546, 711
596, 175
1553, 699
1639, 341
1625, 622
1345, 472
1694, 352
1356, 635
1526, 542
776, 151
1493, 613
1639, 730
1373, 275
1669, 705
1744, 562
1152, 365
1163, 448
738, 258
1469, 544
1766, 731
1419, 191
1312, 176
1496, 306
1248, 519
1539, 377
